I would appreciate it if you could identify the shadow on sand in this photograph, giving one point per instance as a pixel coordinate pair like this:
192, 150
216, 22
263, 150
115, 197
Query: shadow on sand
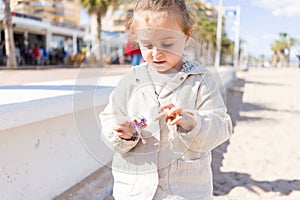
224, 182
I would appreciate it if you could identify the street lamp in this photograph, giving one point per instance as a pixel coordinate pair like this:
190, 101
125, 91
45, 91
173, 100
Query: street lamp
219, 34
236, 11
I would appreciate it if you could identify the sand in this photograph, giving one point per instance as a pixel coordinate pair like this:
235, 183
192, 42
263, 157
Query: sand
262, 159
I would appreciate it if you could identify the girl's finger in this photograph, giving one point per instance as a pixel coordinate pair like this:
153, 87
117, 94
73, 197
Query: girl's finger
176, 120
161, 115
119, 129
169, 113
169, 119
126, 123
168, 106
174, 111
124, 136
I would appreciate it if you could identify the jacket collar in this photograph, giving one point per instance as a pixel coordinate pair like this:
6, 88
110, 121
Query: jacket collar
189, 68
193, 67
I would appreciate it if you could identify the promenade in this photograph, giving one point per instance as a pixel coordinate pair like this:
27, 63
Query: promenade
261, 160
26, 76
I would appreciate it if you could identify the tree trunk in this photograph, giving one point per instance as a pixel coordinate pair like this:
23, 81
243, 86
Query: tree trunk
211, 53
98, 40
9, 38
288, 57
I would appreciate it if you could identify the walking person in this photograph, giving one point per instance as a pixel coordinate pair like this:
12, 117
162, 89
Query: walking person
166, 115
18, 55
36, 55
2, 53
298, 56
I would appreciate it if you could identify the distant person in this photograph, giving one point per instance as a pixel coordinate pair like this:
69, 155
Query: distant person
18, 55
64, 57
133, 51
132, 48
45, 57
298, 56
79, 58
36, 55
166, 115
115, 58
2, 53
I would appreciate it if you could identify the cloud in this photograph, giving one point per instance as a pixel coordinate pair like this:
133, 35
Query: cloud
288, 8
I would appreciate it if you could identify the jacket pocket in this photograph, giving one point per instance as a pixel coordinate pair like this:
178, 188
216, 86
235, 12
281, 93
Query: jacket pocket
124, 183
191, 179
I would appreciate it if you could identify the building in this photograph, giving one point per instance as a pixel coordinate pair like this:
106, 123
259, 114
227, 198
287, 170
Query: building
50, 24
56, 11
114, 36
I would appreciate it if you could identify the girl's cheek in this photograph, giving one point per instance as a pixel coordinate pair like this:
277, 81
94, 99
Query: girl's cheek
177, 50
173, 52
147, 54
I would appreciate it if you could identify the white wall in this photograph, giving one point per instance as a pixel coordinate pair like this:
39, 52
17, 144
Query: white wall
39, 160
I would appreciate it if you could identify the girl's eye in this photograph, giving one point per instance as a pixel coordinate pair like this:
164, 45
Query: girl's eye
148, 46
167, 45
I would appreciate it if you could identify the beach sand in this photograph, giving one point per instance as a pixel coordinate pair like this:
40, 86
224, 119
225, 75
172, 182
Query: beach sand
262, 159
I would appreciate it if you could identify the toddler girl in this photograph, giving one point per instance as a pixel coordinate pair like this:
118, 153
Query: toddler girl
169, 156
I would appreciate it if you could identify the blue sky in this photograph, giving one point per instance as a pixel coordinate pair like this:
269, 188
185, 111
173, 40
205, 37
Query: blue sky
263, 20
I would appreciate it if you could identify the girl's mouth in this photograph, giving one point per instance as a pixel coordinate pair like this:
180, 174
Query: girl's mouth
159, 62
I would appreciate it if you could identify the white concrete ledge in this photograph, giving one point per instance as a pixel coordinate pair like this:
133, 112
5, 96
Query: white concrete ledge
21, 113
49, 136
24, 104
224, 77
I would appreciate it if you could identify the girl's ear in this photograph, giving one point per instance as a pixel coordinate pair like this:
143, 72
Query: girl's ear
190, 34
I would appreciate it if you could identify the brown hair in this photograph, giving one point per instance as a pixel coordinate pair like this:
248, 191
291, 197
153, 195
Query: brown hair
128, 19
164, 9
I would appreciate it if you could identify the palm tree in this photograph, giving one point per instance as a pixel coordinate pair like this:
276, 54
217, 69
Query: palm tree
9, 38
291, 42
227, 50
206, 33
276, 48
282, 48
98, 8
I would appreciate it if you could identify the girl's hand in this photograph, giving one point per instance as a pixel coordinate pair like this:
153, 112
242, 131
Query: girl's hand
175, 115
125, 130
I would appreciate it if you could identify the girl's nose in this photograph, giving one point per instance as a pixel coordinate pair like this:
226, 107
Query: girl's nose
156, 53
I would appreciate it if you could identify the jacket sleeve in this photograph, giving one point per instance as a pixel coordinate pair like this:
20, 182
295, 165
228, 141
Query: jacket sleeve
114, 113
213, 125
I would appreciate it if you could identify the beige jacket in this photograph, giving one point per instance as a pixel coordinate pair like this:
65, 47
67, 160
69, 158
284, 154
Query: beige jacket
174, 163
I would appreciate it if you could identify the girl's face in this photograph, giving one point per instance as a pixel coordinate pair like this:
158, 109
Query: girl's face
162, 45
